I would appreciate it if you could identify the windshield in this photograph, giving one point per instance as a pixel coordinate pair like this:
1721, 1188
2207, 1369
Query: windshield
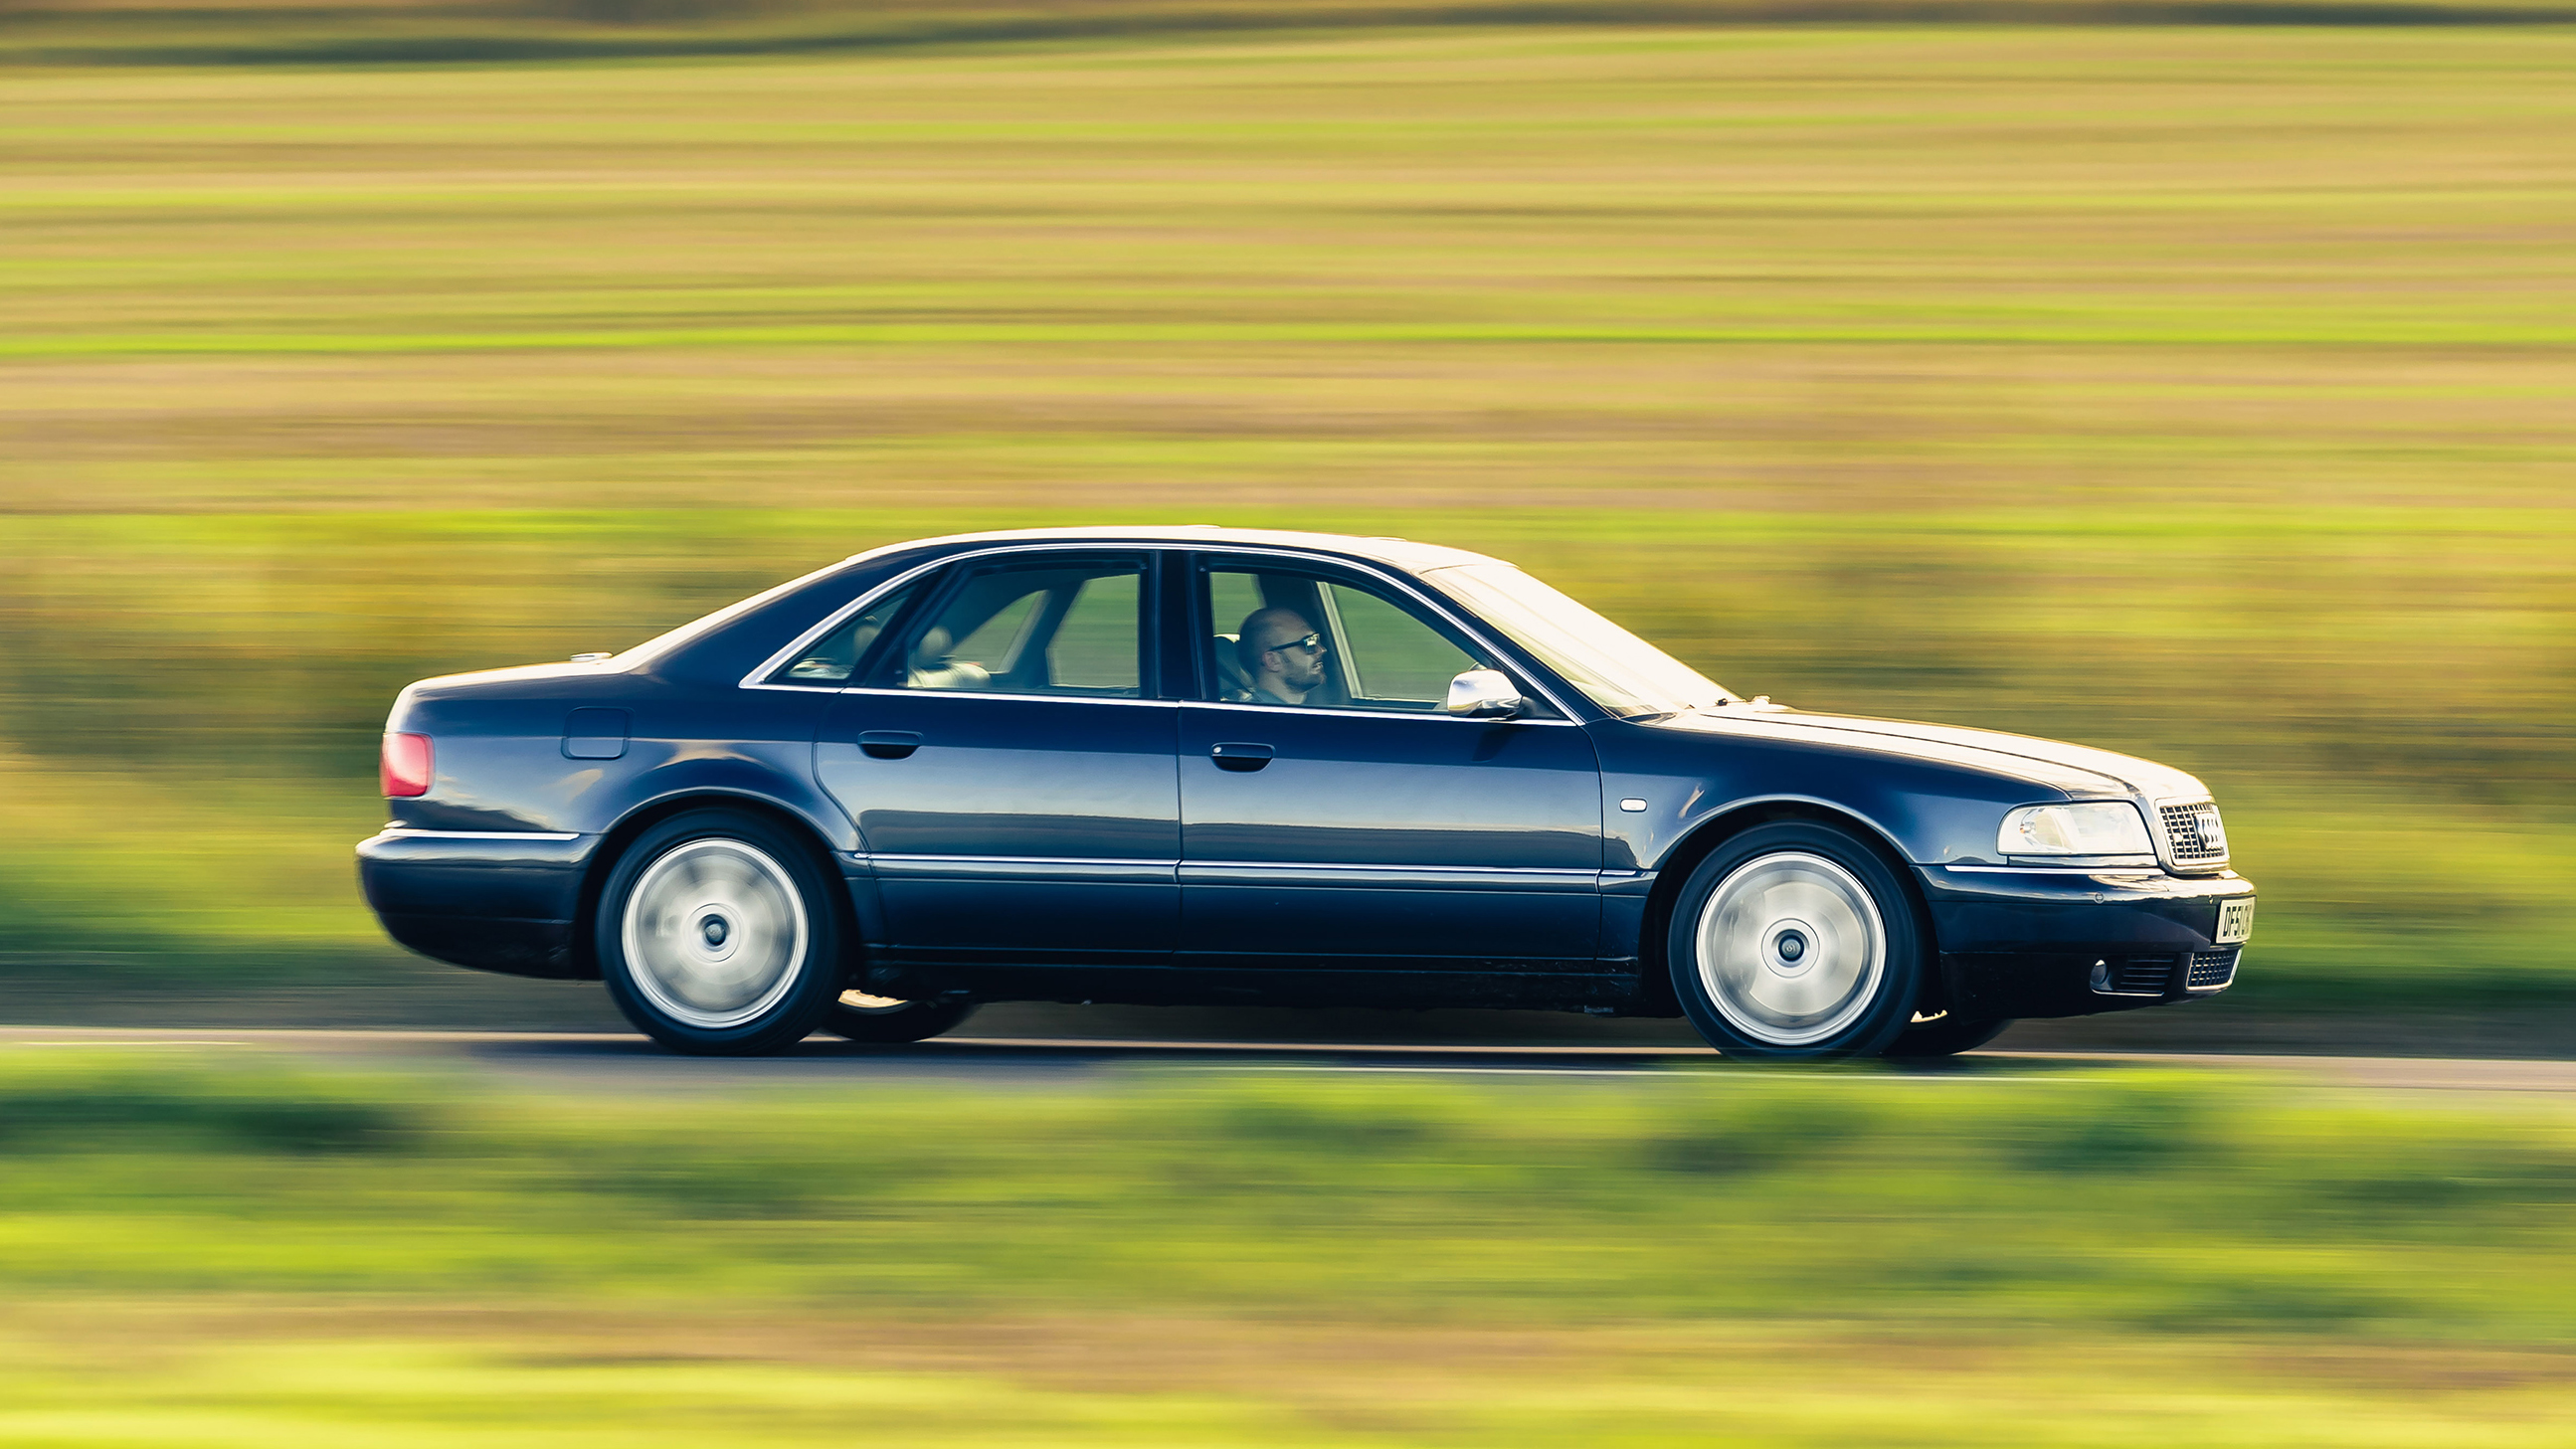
1619, 671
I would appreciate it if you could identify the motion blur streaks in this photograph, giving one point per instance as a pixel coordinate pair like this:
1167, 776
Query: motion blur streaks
2113, 1258
2199, 392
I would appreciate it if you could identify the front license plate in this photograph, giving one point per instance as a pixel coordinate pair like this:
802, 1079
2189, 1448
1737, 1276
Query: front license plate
2235, 922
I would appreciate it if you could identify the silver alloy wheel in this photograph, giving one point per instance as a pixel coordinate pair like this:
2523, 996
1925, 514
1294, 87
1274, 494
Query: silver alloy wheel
1791, 948
714, 933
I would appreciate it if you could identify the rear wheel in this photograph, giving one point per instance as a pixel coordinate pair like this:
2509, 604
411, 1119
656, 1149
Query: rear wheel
862, 1017
1795, 941
718, 935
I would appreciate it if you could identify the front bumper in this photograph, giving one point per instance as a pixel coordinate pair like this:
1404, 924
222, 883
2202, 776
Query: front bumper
494, 902
2045, 943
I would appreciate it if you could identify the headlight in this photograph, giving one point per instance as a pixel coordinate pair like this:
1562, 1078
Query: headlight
2101, 827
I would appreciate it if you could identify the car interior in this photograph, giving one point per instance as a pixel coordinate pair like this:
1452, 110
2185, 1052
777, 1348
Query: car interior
1073, 629
1378, 654
1066, 631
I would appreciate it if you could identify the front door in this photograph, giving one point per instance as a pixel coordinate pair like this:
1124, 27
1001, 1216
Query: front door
1011, 776
1332, 817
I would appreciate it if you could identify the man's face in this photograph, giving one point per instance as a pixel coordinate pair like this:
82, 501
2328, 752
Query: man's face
1301, 663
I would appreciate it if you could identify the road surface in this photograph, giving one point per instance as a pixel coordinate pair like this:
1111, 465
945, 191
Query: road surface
617, 1062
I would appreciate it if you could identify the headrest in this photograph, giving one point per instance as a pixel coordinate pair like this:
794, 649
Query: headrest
1229, 667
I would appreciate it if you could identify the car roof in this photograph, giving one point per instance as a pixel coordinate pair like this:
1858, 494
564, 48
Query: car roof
1402, 553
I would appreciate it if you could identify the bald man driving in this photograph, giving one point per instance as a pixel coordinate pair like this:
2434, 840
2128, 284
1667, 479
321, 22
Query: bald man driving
1282, 655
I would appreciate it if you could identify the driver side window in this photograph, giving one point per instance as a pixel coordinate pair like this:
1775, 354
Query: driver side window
1285, 636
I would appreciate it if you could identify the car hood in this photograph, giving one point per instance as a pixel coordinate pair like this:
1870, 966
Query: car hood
2078, 769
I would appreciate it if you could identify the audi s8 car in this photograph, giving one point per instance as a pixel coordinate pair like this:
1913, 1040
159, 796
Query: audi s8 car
1220, 766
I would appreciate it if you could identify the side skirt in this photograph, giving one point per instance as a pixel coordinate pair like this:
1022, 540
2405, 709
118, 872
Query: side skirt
1600, 993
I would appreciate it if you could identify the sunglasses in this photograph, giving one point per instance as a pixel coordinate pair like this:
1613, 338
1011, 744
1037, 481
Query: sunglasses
1312, 644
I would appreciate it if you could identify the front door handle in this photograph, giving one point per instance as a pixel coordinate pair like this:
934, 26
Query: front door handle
1235, 755
889, 744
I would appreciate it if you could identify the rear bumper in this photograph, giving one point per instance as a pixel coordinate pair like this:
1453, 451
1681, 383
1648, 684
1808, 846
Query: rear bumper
494, 902
2024, 944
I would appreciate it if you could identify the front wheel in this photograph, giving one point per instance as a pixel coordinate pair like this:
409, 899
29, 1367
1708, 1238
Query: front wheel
1795, 941
719, 936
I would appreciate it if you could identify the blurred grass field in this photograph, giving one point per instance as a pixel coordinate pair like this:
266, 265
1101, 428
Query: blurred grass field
2200, 392
225, 1252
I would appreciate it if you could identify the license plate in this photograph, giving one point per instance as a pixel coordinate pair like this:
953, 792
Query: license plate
2235, 922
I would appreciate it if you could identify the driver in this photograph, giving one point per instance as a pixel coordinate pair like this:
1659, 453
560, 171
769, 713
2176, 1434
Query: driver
1282, 655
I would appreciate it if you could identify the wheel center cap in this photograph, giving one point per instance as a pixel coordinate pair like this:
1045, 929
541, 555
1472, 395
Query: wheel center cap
714, 934
1789, 947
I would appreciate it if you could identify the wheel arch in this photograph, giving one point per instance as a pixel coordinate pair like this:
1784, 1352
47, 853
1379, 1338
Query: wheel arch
613, 845
1704, 839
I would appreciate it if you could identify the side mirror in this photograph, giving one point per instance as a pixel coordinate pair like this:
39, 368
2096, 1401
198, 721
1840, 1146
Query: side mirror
1483, 694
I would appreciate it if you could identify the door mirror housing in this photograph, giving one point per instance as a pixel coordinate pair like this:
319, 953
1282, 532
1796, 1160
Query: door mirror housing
1483, 694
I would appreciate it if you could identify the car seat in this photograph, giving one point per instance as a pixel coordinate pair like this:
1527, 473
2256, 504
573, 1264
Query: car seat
1233, 684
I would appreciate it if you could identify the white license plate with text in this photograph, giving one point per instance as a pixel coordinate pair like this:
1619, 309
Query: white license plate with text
2235, 922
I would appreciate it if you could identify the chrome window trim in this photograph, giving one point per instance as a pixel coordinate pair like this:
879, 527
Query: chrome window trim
997, 694
415, 831
1432, 600
758, 678
1350, 713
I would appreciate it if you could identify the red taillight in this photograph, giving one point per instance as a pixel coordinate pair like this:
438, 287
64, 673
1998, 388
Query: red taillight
404, 766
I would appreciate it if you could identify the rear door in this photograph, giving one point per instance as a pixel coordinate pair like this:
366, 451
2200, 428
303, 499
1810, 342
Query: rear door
1356, 824
1010, 770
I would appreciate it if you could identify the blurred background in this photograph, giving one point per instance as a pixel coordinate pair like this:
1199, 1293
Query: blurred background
2202, 392
2193, 380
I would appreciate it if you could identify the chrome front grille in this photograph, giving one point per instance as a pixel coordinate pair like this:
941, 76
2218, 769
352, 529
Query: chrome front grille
2193, 834
2211, 970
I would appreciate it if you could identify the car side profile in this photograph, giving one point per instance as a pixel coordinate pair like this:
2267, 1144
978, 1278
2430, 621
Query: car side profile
1220, 766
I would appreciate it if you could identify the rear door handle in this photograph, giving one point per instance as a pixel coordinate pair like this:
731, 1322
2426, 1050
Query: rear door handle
889, 744
1236, 755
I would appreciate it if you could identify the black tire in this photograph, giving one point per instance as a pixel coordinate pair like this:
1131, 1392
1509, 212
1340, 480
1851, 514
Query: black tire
897, 1021
1751, 900
1946, 1036
737, 934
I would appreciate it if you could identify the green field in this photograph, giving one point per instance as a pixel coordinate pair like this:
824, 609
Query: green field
218, 1252
2200, 392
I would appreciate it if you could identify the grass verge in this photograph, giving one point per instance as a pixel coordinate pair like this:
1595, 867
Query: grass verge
1789, 1259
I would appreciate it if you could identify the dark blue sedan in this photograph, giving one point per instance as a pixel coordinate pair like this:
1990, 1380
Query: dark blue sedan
1219, 766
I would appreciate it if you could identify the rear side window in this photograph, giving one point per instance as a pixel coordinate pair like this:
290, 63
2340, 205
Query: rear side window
833, 658
1061, 629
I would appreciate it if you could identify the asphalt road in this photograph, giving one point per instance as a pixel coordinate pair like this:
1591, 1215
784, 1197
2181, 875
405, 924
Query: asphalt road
617, 1062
